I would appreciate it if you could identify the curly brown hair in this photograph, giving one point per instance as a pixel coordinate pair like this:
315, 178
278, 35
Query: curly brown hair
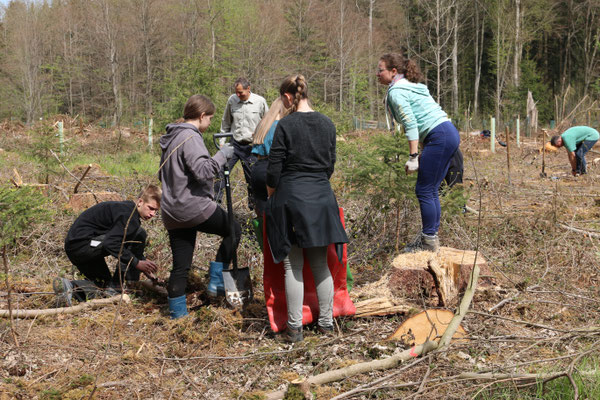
403, 65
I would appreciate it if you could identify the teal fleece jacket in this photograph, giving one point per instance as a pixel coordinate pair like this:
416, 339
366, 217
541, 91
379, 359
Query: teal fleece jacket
412, 105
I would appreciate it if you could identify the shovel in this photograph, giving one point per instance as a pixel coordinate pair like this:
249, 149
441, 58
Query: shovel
237, 282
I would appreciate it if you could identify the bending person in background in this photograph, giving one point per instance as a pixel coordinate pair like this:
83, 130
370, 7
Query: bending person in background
108, 228
424, 121
302, 211
187, 173
577, 140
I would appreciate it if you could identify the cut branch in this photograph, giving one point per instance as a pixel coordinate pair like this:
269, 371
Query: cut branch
66, 310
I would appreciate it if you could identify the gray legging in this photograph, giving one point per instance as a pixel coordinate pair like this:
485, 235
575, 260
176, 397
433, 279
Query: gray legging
294, 285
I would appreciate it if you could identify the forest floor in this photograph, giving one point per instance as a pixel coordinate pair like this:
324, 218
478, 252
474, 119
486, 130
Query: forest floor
538, 314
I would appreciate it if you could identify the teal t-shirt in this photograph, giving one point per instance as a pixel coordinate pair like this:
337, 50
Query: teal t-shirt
577, 134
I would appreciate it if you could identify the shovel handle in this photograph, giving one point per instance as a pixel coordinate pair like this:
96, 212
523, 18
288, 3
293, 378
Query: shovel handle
228, 135
225, 135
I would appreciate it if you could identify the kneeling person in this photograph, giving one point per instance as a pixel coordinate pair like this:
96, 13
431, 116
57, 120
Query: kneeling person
577, 140
102, 230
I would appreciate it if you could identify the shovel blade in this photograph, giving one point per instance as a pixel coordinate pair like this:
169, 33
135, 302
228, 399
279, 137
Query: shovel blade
238, 286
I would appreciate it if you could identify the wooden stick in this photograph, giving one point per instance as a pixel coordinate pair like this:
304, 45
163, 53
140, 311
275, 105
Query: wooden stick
507, 135
589, 233
10, 312
76, 178
82, 177
66, 310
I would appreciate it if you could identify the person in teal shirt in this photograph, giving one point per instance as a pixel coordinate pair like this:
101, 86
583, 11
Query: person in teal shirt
410, 104
577, 140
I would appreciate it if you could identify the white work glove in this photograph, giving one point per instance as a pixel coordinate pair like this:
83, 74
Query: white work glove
412, 165
227, 150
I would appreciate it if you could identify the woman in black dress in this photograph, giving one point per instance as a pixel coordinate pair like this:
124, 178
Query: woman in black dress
302, 211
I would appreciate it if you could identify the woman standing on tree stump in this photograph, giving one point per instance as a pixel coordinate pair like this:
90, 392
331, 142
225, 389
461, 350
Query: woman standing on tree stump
424, 121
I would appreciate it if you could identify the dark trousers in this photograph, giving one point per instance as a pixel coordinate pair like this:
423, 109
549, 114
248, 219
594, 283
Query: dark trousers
243, 153
438, 148
183, 241
455, 169
259, 185
580, 151
90, 262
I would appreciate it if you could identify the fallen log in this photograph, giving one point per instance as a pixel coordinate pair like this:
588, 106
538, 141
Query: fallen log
91, 304
380, 306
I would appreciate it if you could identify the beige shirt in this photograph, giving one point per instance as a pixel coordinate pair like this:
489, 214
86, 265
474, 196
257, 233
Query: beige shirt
242, 117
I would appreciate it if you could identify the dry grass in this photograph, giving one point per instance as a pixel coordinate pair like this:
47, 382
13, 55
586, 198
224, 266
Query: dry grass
549, 275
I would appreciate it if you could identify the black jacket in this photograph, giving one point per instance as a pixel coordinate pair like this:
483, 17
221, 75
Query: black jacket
107, 219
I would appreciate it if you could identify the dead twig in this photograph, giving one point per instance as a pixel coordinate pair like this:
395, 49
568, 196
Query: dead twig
76, 178
66, 310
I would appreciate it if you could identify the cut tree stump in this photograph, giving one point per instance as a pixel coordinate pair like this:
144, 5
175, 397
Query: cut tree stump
82, 201
422, 275
428, 325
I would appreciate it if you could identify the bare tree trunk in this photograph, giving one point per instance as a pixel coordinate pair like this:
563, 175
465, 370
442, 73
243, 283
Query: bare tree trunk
9, 301
341, 49
371, 61
479, 33
438, 51
518, 45
109, 32
591, 43
455, 64
147, 28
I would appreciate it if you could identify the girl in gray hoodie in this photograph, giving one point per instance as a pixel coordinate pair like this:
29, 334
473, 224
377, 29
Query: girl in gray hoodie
187, 172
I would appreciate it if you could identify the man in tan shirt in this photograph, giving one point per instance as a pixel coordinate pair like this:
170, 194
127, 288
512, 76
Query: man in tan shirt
243, 112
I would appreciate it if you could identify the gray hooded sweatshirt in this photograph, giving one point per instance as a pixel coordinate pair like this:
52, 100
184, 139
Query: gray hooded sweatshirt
187, 177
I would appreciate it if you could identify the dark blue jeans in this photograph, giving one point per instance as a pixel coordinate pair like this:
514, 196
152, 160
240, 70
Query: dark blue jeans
580, 151
438, 148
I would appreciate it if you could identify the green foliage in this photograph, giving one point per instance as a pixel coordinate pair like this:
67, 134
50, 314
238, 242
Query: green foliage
51, 394
20, 207
191, 76
375, 169
453, 200
140, 162
515, 98
44, 140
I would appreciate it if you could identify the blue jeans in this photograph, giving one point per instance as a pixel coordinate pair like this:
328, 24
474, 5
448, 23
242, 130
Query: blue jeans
580, 151
438, 148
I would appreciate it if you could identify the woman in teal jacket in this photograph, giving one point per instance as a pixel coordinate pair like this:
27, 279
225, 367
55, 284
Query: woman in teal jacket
409, 103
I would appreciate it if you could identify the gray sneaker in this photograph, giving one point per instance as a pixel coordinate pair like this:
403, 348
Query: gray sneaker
414, 246
423, 242
430, 243
63, 289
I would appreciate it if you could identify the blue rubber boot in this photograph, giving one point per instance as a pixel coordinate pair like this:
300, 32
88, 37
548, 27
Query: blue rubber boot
215, 285
177, 307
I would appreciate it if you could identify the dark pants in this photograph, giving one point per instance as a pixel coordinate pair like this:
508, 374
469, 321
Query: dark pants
438, 148
259, 184
243, 153
183, 241
90, 262
580, 151
455, 169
